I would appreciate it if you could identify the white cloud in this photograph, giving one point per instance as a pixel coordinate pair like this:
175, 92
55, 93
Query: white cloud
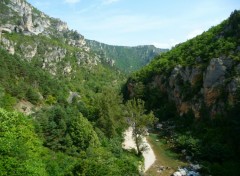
106, 2
194, 33
71, 1
168, 44
123, 24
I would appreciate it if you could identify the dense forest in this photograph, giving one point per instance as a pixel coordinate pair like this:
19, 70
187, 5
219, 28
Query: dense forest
82, 136
126, 59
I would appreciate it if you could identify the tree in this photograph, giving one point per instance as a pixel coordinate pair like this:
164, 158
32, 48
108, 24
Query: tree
109, 111
82, 133
21, 151
138, 120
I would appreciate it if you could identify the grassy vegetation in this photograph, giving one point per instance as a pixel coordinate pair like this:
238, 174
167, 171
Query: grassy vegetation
164, 157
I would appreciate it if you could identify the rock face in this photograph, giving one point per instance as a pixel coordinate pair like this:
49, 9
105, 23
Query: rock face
215, 72
27, 21
20, 6
23, 19
199, 77
30, 21
208, 84
62, 26
8, 45
28, 51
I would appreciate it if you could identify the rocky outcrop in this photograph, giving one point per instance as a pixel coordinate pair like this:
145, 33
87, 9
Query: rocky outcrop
37, 30
28, 51
214, 79
72, 96
84, 58
215, 73
213, 84
5, 30
61, 26
52, 57
27, 21
31, 23
20, 6
191, 87
67, 69
7, 45
54, 54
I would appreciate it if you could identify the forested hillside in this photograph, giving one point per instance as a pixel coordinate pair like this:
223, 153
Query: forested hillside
197, 85
65, 102
70, 117
74, 126
125, 58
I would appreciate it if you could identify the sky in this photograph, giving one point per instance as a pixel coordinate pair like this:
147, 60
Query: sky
163, 23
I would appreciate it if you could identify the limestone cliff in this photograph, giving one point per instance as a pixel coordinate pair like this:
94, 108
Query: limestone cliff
199, 76
33, 35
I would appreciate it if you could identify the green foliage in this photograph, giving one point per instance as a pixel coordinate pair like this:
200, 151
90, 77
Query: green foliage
98, 162
221, 40
82, 137
5, 13
213, 141
109, 112
51, 125
7, 101
82, 133
22, 80
50, 100
59, 164
139, 121
32, 96
20, 149
188, 143
126, 59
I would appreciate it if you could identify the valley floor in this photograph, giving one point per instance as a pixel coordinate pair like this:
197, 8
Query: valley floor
166, 162
149, 156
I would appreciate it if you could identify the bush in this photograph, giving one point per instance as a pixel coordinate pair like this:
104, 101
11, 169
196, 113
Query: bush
20, 151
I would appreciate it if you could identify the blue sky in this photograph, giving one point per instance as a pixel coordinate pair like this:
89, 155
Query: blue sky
162, 23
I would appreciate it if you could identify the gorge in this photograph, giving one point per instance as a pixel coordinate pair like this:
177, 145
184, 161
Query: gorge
66, 101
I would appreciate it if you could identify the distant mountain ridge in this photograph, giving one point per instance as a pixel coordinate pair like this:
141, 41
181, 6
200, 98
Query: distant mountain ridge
20, 17
126, 58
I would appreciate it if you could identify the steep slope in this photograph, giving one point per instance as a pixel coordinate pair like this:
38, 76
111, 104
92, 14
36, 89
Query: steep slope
75, 113
125, 58
34, 36
196, 88
200, 73
19, 17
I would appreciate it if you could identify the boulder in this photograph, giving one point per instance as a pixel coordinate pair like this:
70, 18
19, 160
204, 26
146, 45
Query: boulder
177, 173
5, 30
183, 172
